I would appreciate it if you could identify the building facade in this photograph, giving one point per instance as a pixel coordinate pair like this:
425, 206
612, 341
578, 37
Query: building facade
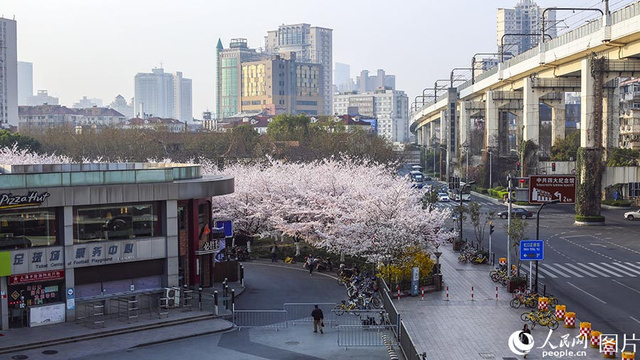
37, 119
524, 18
120, 105
86, 102
8, 73
160, 94
366, 83
98, 232
390, 108
311, 44
25, 82
630, 114
42, 98
229, 75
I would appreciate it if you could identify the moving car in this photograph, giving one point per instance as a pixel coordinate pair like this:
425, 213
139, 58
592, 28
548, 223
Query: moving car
632, 215
517, 212
443, 197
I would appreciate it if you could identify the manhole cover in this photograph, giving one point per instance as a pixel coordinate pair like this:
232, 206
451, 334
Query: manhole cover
50, 352
292, 343
19, 357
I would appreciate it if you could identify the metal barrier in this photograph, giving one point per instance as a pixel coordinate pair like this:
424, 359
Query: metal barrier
407, 346
363, 317
260, 318
394, 315
359, 335
301, 312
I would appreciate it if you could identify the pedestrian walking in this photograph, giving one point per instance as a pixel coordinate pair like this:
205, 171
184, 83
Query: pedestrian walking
318, 319
524, 339
274, 250
310, 263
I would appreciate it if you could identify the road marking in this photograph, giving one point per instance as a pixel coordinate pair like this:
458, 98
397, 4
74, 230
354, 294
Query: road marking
623, 271
549, 268
543, 271
605, 269
568, 270
592, 270
627, 268
572, 236
632, 265
628, 287
602, 301
588, 273
634, 319
601, 245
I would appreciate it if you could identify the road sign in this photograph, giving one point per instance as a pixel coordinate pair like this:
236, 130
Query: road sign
547, 188
531, 250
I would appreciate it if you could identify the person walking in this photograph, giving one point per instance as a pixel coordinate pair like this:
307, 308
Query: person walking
318, 319
274, 249
310, 263
524, 339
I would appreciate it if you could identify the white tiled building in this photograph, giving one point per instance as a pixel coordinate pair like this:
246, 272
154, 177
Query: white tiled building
8, 73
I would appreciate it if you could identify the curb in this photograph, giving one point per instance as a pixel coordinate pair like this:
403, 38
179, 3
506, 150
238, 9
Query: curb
233, 326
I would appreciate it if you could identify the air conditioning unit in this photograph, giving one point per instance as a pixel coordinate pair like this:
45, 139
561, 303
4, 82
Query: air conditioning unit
172, 296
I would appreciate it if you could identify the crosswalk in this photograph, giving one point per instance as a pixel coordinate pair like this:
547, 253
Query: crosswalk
587, 270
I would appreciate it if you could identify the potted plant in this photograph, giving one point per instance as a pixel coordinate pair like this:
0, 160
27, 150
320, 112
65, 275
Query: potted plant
516, 282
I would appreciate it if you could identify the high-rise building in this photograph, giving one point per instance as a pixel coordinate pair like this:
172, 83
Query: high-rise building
229, 75
86, 102
342, 81
390, 108
25, 81
381, 81
8, 73
42, 98
164, 95
120, 105
311, 44
525, 18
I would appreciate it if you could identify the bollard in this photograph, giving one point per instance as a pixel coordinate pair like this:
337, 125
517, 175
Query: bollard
543, 304
628, 355
233, 300
570, 320
215, 303
200, 298
544, 290
585, 330
242, 275
608, 348
226, 296
398, 292
422, 293
472, 293
447, 298
594, 342
560, 309
496, 293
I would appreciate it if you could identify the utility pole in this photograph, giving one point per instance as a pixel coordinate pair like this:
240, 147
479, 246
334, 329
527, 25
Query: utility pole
510, 207
606, 7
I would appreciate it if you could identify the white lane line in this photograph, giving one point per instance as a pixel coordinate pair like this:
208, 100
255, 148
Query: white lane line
605, 270
568, 270
577, 288
542, 270
592, 270
549, 268
634, 319
627, 268
622, 271
632, 265
628, 287
588, 273
572, 236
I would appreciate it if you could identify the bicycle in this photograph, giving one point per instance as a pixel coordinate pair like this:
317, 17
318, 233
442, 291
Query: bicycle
289, 260
343, 307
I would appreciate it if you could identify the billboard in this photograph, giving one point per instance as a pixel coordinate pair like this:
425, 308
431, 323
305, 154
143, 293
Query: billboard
547, 188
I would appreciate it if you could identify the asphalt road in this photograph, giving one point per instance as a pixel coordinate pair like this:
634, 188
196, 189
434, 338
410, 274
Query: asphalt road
593, 270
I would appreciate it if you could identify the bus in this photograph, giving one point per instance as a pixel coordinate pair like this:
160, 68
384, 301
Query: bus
466, 193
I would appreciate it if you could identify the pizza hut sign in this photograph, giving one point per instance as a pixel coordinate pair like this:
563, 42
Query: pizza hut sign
9, 201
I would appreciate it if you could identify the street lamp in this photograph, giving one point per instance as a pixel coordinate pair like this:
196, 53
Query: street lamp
460, 202
538, 233
465, 146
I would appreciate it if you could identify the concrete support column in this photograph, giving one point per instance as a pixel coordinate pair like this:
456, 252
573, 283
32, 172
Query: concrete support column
69, 273
587, 105
492, 116
519, 130
465, 124
611, 121
557, 121
171, 225
444, 140
531, 111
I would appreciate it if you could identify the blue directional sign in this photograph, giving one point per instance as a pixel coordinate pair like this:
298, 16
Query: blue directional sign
532, 250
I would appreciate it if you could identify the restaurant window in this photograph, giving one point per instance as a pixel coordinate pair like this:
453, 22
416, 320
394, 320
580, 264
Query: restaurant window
28, 228
115, 222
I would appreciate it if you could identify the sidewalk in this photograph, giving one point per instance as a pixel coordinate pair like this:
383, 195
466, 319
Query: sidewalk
149, 328
462, 328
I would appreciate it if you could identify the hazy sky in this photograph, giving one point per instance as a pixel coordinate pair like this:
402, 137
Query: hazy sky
94, 48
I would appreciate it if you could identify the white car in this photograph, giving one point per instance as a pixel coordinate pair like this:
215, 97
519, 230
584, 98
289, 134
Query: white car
632, 215
443, 197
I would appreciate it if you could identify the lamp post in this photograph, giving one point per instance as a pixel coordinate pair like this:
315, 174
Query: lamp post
465, 146
538, 234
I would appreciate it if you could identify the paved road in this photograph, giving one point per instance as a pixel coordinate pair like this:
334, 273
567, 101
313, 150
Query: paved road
595, 271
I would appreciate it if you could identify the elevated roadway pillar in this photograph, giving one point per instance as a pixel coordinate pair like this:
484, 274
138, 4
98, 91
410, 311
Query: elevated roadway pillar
531, 111
558, 127
611, 121
587, 105
492, 121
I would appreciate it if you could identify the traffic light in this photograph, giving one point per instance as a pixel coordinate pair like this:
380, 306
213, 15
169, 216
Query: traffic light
491, 227
518, 166
553, 166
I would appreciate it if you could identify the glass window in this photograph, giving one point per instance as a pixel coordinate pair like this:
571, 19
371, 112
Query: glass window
30, 228
115, 222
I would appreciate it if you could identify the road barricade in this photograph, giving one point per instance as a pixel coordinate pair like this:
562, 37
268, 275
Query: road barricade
585, 330
628, 355
560, 310
502, 261
543, 304
595, 339
570, 319
608, 348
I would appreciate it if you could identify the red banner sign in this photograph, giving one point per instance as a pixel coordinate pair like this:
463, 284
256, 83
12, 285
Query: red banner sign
36, 277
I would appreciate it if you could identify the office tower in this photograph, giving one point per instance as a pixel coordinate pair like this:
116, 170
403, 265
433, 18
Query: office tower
163, 95
120, 105
311, 44
366, 83
229, 75
25, 81
8, 73
342, 81
525, 18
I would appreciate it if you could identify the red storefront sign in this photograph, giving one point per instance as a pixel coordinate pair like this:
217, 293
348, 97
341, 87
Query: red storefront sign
36, 277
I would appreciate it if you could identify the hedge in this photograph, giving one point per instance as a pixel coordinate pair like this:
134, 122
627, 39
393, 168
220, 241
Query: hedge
581, 218
621, 203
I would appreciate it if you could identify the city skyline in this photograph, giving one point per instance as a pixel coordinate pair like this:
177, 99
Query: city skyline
117, 43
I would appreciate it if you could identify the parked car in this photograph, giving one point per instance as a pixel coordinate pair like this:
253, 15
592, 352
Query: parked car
443, 197
632, 215
517, 212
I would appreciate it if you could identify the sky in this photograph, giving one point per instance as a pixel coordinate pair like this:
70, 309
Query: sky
95, 48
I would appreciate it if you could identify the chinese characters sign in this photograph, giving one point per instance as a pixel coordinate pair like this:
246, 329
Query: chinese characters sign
37, 259
36, 277
547, 188
531, 250
111, 252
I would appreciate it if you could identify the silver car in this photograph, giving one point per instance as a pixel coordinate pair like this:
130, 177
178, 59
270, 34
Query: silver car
632, 215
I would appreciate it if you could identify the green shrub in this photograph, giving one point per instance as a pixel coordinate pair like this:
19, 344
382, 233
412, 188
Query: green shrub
593, 219
621, 203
